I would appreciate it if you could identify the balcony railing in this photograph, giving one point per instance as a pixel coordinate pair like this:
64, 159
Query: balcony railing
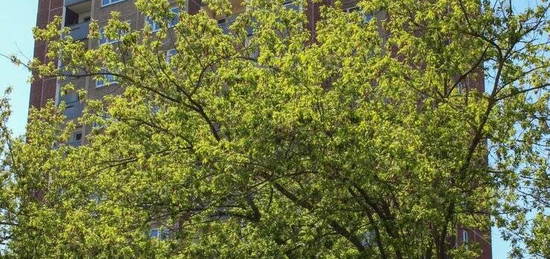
80, 31
74, 111
73, 106
226, 23
73, 2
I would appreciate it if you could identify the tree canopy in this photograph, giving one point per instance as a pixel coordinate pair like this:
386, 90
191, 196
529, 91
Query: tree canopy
379, 135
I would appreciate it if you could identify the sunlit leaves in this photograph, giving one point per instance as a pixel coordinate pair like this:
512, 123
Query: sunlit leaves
368, 138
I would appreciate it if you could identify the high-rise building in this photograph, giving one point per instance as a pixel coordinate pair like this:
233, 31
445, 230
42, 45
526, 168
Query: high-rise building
77, 15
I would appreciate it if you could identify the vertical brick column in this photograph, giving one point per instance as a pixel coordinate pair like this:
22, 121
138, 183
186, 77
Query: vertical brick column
194, 6
43, 90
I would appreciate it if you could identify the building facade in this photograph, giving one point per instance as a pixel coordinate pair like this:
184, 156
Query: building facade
77, 15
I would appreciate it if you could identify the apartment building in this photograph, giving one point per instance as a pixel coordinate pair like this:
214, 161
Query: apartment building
77, 15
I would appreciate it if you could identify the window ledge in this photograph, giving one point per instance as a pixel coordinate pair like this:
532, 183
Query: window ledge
109, 4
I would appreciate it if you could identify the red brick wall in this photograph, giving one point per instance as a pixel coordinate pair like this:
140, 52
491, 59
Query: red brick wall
194, 6
43, 90
476, 82
483, 238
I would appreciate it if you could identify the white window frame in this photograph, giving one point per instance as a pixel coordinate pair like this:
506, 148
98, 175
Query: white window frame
366, 17
101, 83
290, 3
71, 104
177, 11
352, 9
465, 236
103, 39
161, 233
111, 2
169, 54
156, 232
73, 141
226, 22
156, 27
98, 126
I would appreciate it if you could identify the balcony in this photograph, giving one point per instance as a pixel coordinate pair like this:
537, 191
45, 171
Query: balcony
73, 111
77, 17
76, 139
74, 2
73, 106
80, 31
225, 23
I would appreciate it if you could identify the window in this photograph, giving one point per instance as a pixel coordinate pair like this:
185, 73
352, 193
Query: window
101, 123
465, 236
462, 87
159, 233
76, 139
154, 233
170, 53
226, 22
70, 99
291, 5
352, 9
107, 80
155, 109
104, 40
366, 16
176, 19
73, 107
110, 2
368, 238
155, 26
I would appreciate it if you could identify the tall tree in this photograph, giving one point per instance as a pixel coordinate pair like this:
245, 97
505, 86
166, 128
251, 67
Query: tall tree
372, 138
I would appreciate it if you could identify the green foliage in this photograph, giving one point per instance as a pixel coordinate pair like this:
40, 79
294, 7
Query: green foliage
367, 139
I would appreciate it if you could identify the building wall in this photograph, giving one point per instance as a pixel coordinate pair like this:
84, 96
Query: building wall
43, 90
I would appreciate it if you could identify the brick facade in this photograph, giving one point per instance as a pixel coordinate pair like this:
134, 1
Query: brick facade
43, 90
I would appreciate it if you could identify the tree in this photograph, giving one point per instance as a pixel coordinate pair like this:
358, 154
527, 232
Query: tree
367, 139
6, 200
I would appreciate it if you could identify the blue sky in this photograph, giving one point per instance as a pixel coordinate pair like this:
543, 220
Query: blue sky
16, 21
